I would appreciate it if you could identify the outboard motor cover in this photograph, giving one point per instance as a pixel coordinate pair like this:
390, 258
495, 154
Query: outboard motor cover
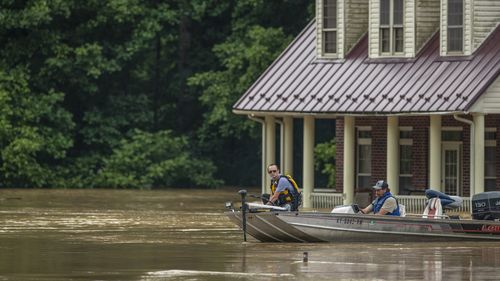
486, 206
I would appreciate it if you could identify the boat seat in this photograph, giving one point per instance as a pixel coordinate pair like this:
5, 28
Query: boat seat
434, 209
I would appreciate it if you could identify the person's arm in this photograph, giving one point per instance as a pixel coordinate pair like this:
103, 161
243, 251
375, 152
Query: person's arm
382, 212
367, 209
273, 198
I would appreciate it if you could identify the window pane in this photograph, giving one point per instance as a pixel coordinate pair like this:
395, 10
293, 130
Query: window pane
365, 159
385, 40
455, 39
405, 159
364, 181
330, 41
405, 184
490, 161
455, 12
455, 25
451, 135
330, 14
405, 134
490, 185
490, 135
385, 12
398, 40
364, 134
398, 12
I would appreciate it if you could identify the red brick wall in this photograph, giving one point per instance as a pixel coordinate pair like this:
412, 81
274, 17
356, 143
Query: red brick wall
339, 165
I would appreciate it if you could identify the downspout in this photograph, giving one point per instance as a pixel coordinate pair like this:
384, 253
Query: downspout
263, 138
472, 154
282, 143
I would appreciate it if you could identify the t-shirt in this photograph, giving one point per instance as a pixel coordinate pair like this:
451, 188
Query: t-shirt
283, 184
389, 205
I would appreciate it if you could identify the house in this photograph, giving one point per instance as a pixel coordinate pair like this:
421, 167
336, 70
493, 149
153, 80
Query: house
413, 86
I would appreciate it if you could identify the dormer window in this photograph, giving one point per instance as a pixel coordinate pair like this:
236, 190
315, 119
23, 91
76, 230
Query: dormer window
391, 26
329, 33
455, 25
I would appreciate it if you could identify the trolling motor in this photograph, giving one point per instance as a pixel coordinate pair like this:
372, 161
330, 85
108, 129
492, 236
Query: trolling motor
244, 207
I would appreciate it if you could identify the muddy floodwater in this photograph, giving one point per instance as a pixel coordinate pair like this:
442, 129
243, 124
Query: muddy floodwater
183, 235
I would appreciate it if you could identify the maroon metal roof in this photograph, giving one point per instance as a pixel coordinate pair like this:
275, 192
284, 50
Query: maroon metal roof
299, 82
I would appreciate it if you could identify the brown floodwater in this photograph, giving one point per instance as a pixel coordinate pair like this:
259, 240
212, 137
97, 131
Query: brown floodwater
183, 235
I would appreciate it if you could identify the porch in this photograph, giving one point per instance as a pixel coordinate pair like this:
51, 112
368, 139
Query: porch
414, 204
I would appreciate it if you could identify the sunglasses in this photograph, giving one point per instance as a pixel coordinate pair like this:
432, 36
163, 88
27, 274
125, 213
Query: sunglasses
272, 171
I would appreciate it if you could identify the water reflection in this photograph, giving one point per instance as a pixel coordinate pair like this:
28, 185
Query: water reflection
181, 235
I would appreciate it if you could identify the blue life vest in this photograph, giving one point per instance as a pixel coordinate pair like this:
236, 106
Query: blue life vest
379, 202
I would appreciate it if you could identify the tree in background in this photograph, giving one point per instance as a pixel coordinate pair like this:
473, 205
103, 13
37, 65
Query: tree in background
80, 79
324, 154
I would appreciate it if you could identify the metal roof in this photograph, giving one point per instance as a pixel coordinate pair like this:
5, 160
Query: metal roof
298, 82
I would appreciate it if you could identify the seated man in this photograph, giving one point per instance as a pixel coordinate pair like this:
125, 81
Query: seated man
385, 203
284, 191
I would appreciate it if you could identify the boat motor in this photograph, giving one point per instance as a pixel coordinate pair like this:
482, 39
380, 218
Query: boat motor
486, 206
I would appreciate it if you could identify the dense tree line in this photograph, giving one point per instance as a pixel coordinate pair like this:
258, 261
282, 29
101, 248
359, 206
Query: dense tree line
135, 93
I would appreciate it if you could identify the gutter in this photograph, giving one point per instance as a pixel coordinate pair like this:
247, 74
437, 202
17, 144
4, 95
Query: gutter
472, 155
263, 140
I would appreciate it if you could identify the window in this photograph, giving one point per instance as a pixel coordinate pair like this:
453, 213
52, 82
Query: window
364, 159
329, 27
455, 25
490, 143
405, 159
391, 26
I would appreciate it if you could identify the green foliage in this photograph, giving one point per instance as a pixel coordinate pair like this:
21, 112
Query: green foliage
80, 79
155, 160
35, 132
325, 160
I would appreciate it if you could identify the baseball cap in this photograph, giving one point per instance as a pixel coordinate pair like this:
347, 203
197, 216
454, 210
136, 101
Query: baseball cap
380, 185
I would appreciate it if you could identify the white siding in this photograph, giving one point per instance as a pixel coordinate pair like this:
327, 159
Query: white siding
373, 29
486, 18
427, 15
341, 28
319, 24
490, 101
356, 14
409, 28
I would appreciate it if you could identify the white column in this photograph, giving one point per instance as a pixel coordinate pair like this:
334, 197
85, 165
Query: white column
308, 166
435, 153
349, 160
393, 153
288, 150
264, 179
270, 145
478, 154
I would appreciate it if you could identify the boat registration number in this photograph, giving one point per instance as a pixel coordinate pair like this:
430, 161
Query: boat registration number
349, 221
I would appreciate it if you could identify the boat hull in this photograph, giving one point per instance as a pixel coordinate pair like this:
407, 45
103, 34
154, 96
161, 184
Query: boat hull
329, 227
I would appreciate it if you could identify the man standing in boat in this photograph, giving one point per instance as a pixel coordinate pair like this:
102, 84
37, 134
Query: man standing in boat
385, 203
284, 190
